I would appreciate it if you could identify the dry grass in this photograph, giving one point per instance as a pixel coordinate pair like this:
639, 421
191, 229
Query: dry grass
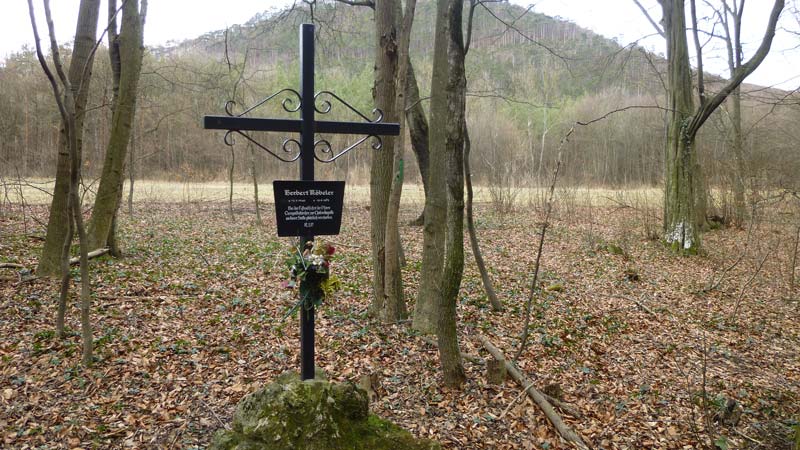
39, 191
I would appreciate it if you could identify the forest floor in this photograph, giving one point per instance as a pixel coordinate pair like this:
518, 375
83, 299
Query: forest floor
646, 345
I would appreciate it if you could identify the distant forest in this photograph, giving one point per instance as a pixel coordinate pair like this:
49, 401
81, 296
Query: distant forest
530, 79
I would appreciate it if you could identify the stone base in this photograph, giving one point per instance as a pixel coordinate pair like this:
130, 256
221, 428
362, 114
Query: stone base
312, 415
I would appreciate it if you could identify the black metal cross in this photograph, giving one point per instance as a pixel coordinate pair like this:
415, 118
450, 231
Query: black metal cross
305, 147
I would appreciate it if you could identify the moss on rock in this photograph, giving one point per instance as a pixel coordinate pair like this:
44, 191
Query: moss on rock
312, 414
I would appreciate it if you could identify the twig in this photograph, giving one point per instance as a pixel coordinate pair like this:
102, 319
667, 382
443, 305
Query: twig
540, 248
562, 428
205, 260
209, 408
566, 407
12, 266
515, 400
747, 284
755, 441
637, 302
90, 255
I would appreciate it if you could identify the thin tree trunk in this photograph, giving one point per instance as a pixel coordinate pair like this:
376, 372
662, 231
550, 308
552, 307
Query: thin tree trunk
79, 76
418, 129
68, 112
740, 174
394, 302
131, 172
793, 267
447, 331
430, 289
126, 50
65, 275
473, 236
86, 297
384, 94
230, 184
113, 239
254, 173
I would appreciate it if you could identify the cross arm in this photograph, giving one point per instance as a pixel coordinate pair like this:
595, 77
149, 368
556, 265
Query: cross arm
293, 125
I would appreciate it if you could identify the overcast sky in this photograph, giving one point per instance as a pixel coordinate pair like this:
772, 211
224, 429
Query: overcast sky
181, 19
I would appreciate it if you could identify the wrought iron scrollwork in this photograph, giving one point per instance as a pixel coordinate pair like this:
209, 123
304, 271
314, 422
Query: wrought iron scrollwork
323, 151
290, 146
325, 106
288, 103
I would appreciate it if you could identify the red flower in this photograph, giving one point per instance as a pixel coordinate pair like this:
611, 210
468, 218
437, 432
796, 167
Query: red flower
330, 250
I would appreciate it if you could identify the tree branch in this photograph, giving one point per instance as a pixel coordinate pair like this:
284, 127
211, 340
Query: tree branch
743, 72
655, 25
701, 89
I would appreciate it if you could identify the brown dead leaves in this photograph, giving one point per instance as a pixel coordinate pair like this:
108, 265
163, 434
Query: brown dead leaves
189, 322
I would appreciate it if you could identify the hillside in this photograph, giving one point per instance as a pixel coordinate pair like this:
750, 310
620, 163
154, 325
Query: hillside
533, 75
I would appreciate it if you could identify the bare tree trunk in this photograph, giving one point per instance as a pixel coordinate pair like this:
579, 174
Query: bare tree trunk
740, 174
131, 171
68, 110
230, 184
681, 224
455, 124
254, 173
473, 236
685, 196
418, 129
80, 75
126, 50
430, 289
65, 275
384, 94
394, 302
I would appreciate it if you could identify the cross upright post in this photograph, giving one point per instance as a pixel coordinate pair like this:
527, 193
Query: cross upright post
306, 174
305, 149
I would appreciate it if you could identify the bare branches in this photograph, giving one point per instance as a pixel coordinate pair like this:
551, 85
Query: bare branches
368, 3
513, 27
45, 67
701, 89
618, 110
743, 72
655, 25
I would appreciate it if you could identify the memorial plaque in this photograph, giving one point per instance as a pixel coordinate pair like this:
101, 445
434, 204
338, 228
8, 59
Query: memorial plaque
308, 208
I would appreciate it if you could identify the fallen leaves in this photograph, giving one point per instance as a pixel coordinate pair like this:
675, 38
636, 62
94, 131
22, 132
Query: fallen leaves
189, 322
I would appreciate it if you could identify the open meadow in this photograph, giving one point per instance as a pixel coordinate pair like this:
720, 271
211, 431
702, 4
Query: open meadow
650, 349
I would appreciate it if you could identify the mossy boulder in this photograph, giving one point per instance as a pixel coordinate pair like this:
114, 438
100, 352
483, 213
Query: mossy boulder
312, 414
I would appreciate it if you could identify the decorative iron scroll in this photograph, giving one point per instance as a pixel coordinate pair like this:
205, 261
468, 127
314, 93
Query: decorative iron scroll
323, 151
286, 147
322, 148
288, 105
291, 147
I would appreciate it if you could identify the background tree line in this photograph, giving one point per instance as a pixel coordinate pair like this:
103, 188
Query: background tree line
528, 81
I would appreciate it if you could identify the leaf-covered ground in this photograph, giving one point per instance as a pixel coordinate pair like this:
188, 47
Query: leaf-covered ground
191, 320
